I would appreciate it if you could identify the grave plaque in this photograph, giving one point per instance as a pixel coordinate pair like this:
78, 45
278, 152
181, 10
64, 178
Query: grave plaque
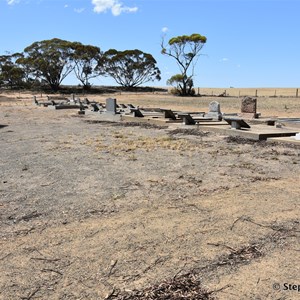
236, 123
214, 111
111, 105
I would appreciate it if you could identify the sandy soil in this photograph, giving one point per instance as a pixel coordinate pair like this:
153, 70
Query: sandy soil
97, 210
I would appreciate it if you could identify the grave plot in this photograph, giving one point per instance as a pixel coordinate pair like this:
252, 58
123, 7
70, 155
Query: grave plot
277, 130
253, 126
214, 111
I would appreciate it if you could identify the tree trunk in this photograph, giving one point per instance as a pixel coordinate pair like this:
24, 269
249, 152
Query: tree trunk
54, 87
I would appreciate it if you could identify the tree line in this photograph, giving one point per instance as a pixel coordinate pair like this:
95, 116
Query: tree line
47, 63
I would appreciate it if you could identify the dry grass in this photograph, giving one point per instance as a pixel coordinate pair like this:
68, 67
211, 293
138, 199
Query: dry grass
148, 207
285, 104
128, 144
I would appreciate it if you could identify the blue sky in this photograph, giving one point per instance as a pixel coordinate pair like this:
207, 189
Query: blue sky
250, 43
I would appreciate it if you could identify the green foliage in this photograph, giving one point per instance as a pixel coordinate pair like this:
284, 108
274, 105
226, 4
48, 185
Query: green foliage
175, 79
185, 50
50, 60
10, 73
87, 59
183, 85
130, 68
175, 92
183, 39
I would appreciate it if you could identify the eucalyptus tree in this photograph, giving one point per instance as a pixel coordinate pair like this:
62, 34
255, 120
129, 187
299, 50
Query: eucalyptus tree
86, 59
11, 74
49, 60
130, 68
185, 49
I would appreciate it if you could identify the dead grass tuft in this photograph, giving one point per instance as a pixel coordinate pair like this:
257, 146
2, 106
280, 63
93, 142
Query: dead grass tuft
193, 131
186, 286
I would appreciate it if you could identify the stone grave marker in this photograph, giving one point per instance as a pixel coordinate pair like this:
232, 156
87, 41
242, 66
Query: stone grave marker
248, 108
236, 123
111, 106
214, 111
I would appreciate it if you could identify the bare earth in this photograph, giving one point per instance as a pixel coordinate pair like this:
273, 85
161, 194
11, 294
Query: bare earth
97, 210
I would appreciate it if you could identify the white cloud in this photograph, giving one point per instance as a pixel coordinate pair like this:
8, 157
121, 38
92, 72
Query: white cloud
224, 59
79, 10
11, 2
165, 29
66, 6
116, 7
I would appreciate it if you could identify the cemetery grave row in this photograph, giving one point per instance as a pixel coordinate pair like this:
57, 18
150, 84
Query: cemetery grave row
247, 123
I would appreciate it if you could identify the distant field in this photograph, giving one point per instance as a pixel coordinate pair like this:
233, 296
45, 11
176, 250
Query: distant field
283, 105
258, 92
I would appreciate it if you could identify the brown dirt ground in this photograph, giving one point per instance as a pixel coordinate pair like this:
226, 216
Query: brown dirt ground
95, 210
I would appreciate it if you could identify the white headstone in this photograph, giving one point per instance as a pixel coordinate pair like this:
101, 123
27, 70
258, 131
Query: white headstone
214, 111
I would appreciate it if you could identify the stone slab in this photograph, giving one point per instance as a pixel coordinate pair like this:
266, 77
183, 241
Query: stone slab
290, 122
290, 140
67, 106
256, 132
249, 116
150, 120
265, 120
91, 115
136, 113
212, 123
169, 114
214, 115
236, 123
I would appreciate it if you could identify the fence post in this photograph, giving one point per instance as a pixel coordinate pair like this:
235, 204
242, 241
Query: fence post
255, 93
297, 93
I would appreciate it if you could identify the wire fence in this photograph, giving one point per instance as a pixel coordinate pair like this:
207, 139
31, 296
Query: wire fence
252, 92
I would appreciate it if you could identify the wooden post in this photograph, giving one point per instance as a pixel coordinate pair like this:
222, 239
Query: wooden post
297, 93
198, 91
239, 93
255, 93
